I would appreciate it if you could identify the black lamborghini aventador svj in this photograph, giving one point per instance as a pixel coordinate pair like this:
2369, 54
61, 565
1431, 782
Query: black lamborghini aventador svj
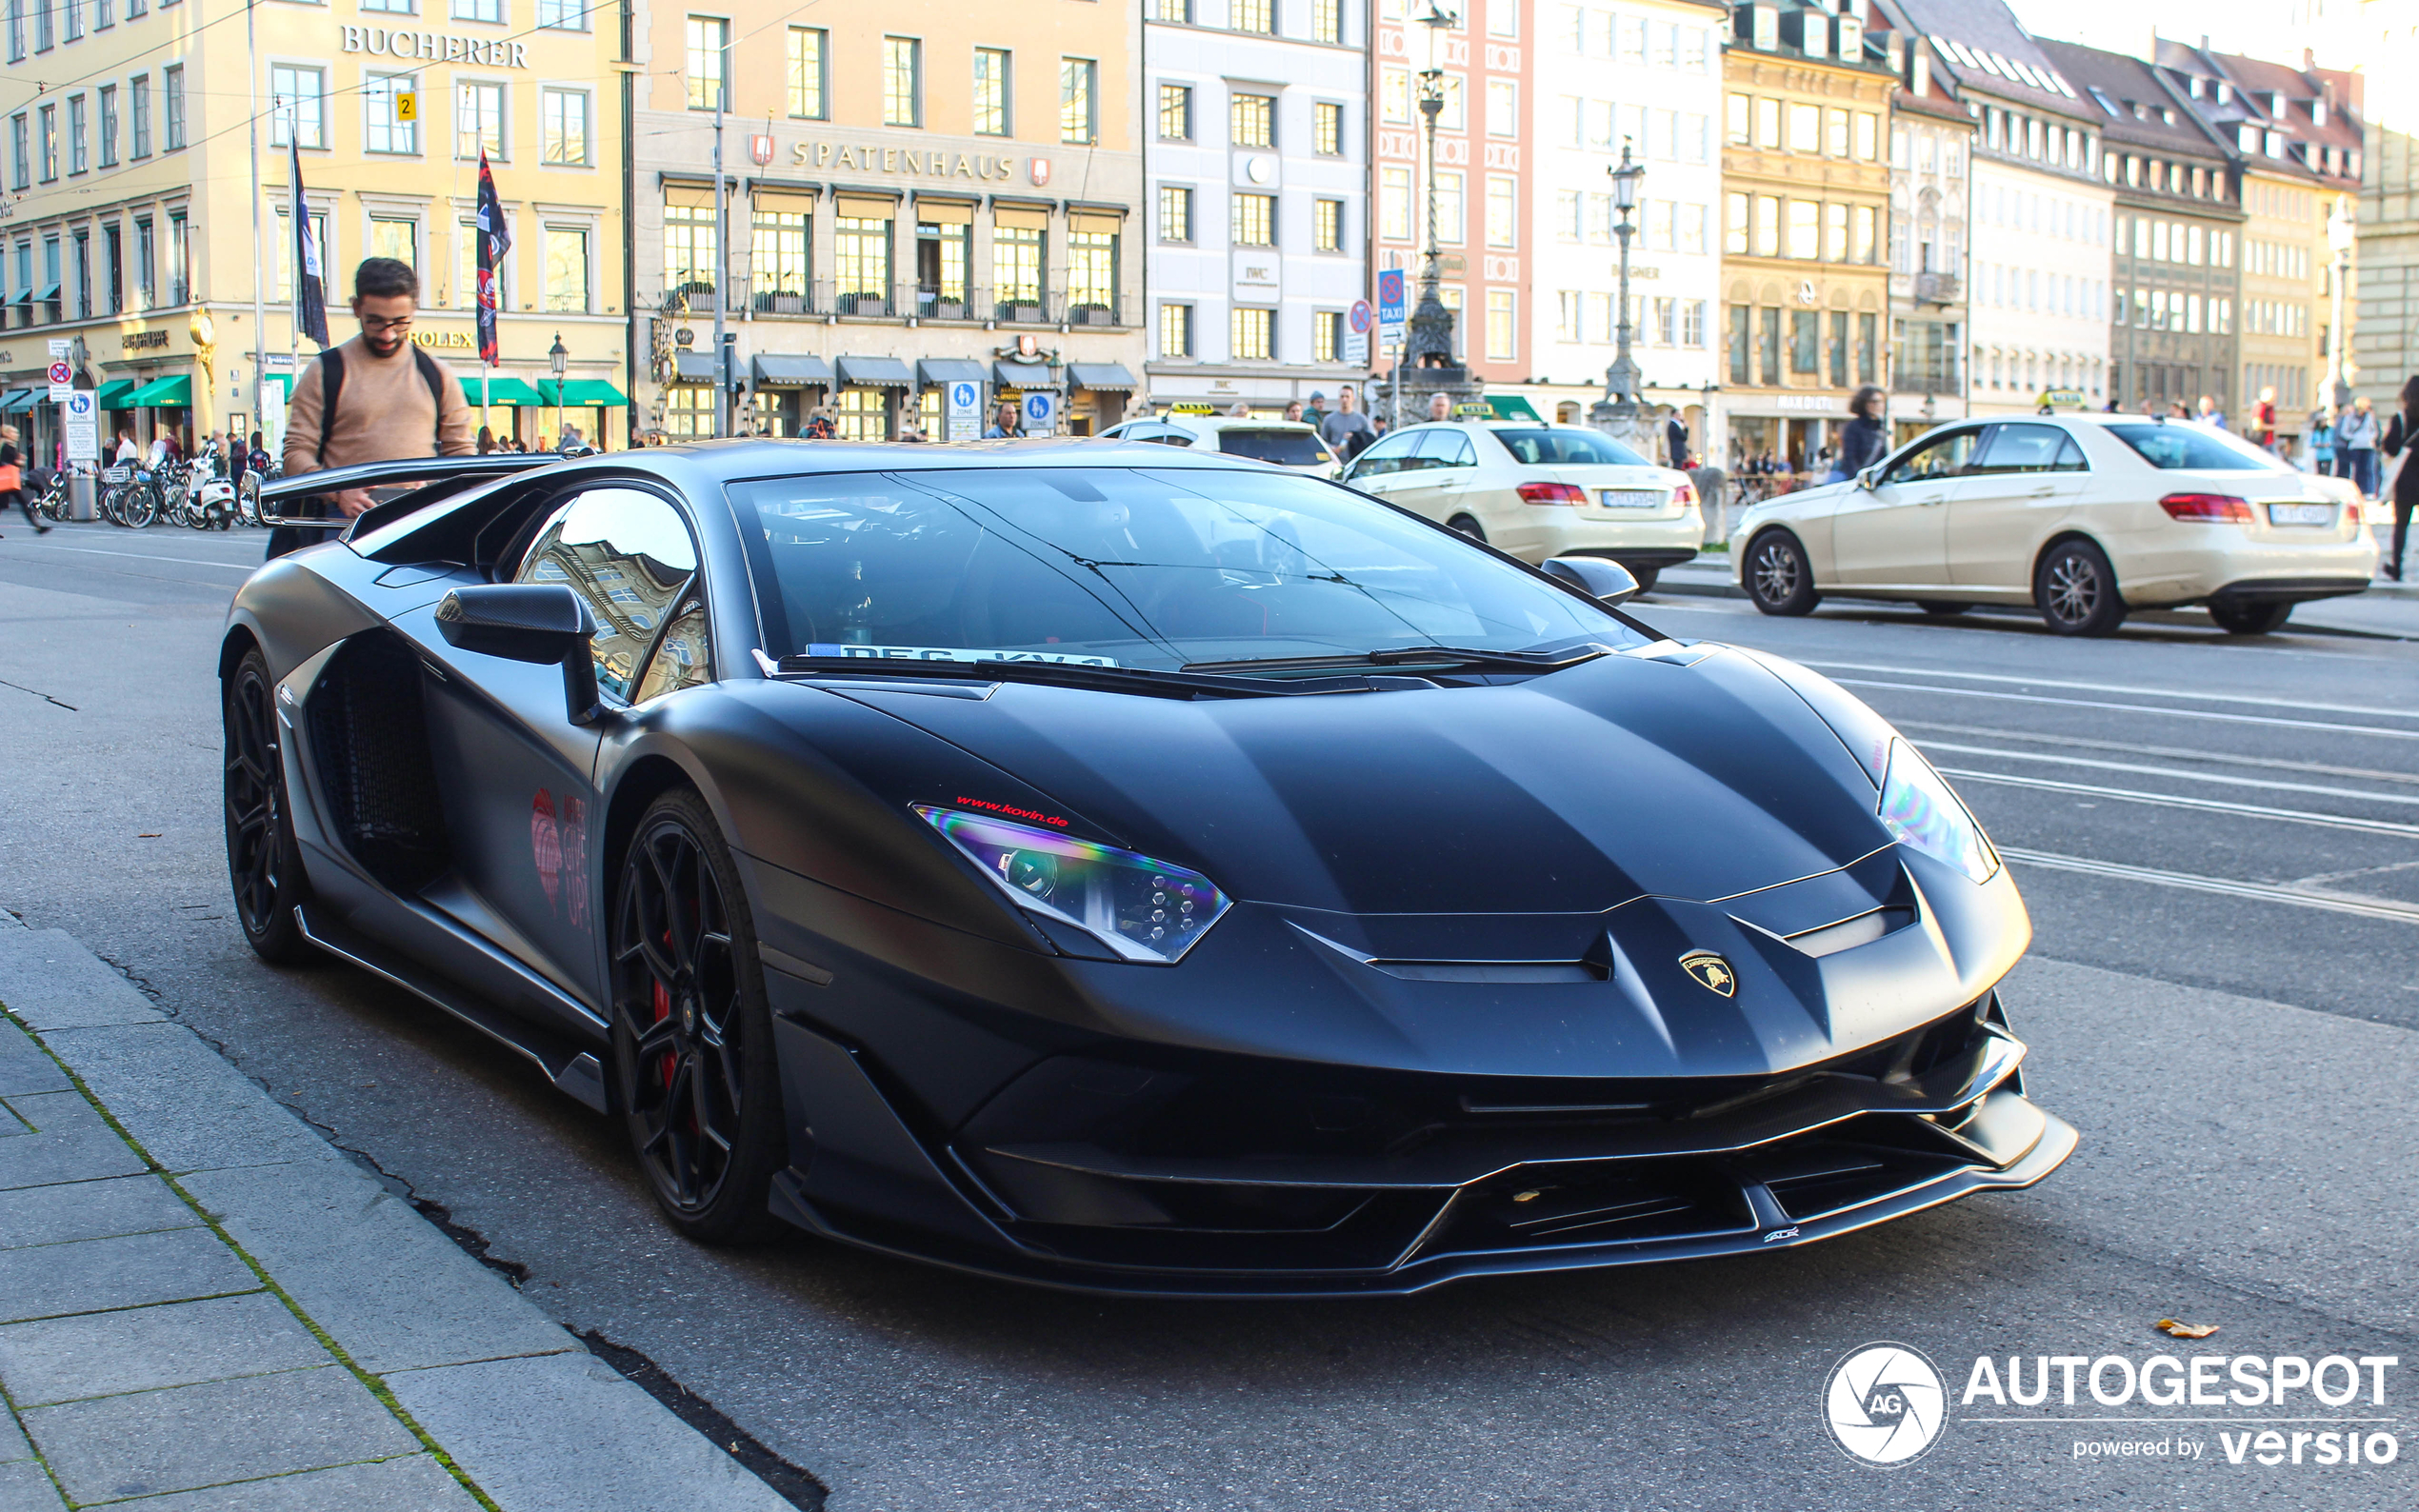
1122, 868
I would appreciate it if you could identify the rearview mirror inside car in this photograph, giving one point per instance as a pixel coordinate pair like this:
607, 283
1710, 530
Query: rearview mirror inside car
539, 622
1595, 576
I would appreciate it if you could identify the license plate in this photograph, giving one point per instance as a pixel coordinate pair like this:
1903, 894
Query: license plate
117, 474
1631, 498
2301, 514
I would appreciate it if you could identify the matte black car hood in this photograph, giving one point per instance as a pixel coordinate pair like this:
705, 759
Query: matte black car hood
1570, 793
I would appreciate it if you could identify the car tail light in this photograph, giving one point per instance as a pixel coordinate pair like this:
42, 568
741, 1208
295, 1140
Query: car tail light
1684, 495
1553, 493
2212, 508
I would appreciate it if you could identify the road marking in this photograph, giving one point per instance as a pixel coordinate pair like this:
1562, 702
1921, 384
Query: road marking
2137, 708
2207, 805
2117, 688
2186, 752
2171, 771
2260, 891
149, 556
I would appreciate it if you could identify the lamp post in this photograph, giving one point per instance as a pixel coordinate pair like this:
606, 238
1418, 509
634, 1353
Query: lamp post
2340, 232
1430, 340
1620, 401
559, 360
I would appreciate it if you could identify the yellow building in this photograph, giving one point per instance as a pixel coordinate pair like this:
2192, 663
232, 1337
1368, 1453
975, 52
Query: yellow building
132, 225
1805, 207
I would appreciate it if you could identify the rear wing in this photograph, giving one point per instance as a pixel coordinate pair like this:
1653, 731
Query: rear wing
393, 480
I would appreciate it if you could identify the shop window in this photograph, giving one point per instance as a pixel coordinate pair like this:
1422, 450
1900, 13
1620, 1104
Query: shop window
863, 414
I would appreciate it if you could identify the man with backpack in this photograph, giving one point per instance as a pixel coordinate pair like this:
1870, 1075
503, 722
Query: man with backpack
376, 398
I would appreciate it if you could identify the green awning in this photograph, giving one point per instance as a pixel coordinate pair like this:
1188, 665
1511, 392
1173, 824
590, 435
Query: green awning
16, 399
112, 395
581, 394
1512, 407
162, 393
509, 392
285, 382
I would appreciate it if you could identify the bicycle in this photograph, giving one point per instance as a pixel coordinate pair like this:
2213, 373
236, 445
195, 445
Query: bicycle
133, 500
52, 503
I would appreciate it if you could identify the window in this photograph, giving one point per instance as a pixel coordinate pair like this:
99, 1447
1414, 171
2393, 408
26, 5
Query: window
403, 7
1252, 120
777, 242
708, 63
861, 262
1327, 21
1735, 225
1175, 213
1175, 330
1016, 258
1567, 212
284, 251
1839, 349
1091, 267
143, 258
478, 120
1394, 203
1326, 225
1449, 215
1767, 125
1633, 41
1803, 236
1835, 233
629, 556
1767, 225
1835, 132
1078, 100
993, 112
807, 80
109, 133
1693, 323
1868, 233
1503, 108
16, 30
1255, 218
566, 135
1455, 115
1734, 120
1327, 129
300, 96
1806, 339
180, 259
1868, 136
79, 144
1179, 12
1253, 335
1692, 228
1566, 316
1663, 321
1175, 112
560, 15
902, 81
478, 10
20, 152
1503, 343
49, 117
1394, 96
138, 90
1251, 15
688, 250
73, 10
1327, 334
381, 130
1502, 211
1741, 345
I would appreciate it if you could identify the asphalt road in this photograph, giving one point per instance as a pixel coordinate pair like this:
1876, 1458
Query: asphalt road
2216, 840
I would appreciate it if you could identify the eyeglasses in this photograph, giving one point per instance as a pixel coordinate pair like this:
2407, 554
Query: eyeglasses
375, 326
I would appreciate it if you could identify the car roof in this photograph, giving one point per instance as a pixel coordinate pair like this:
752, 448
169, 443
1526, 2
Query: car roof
734, 459
1226, 423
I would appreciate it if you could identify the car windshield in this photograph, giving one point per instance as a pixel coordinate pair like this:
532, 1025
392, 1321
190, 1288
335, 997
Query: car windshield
1553, 448
2195, 447
1131, 566
1293, 449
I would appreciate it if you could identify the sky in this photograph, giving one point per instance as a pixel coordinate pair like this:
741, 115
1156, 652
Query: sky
2256, 27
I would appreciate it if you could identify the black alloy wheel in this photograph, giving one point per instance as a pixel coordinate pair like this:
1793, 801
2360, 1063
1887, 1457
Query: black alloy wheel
693, 1065
2076, 591
1779, 578
1469, 525
262, 862
1941, 608
2251, 619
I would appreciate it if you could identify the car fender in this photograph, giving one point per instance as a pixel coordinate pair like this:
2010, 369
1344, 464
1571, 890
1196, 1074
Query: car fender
292, 614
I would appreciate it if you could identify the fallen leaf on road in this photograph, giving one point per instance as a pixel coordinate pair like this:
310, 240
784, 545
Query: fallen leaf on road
153, 835
2184, 1330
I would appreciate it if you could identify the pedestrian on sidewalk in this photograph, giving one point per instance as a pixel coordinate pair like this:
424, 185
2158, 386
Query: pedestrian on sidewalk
2322, 444
1862, 440
376, 398
12, 480
2401, 432
1347, 432
2356, 443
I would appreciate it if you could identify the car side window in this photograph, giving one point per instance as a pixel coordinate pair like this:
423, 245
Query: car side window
1945, 457
1445, 448
2021, 448
682, 658
629, 554
1389, 454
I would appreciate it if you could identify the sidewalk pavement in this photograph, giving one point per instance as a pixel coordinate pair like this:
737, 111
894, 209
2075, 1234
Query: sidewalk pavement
205, 1307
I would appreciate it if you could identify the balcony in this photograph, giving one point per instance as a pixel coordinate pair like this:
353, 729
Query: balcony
1939, 289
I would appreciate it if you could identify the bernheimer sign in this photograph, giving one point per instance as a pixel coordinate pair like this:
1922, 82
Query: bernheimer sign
436, 46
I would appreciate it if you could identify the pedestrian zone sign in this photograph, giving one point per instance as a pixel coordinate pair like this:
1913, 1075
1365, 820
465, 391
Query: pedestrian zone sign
1041, 411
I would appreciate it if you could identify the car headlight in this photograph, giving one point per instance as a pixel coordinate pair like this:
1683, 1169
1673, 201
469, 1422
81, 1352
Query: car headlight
1918, 806
1143, 910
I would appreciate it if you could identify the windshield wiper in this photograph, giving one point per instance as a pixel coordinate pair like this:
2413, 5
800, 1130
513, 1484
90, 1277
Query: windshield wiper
1461, 656
1190, 682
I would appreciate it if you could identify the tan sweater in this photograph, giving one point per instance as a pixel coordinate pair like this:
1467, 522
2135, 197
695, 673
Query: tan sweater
383, 413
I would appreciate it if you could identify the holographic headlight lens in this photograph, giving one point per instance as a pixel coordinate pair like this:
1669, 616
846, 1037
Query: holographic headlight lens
1143, 910
1918, 806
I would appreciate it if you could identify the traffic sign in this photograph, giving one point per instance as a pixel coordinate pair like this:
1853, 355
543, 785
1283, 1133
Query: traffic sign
80, 426
1390, 307
62, 380
1356, 335
963, 420
1041, 411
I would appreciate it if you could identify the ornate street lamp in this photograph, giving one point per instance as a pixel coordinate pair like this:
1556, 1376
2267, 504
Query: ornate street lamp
2341, 233
560, 360
1430, 340
1621, 380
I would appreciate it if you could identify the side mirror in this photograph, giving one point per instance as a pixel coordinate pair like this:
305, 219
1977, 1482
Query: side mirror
539, 622
1870, 478
1595, 576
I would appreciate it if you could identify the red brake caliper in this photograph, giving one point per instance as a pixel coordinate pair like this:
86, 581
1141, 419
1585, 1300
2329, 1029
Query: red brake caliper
663, 1011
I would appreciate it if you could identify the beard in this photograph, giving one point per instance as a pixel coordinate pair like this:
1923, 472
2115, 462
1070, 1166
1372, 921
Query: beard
385, 346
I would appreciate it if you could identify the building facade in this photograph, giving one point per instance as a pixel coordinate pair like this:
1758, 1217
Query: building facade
131, 229
1931, 149
2037, 271
1647, 76
1806, 201
2175, 268
1258, 166
913, 199
2384, 335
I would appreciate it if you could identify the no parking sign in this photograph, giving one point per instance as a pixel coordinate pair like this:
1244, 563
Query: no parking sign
1041, 412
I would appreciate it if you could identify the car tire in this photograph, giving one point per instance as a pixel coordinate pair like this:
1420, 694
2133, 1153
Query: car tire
694, 1074
2251, 619
2076, 591
1941, 608
264, 866
1779, 578
1469, 525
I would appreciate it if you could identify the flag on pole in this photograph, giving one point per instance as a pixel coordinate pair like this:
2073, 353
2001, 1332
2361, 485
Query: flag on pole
310, 299
494, 243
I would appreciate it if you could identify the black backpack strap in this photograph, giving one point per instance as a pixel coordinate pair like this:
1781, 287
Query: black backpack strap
331, 383
434, 377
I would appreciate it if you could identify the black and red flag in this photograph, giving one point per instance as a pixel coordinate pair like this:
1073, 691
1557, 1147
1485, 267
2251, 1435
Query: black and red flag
494, 243
310, 297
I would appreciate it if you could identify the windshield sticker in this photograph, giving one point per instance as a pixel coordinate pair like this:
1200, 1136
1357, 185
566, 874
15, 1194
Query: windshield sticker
952, 653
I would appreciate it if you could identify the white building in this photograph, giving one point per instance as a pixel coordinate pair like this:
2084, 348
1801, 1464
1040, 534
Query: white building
1257, 167
1648, 73
2038, 270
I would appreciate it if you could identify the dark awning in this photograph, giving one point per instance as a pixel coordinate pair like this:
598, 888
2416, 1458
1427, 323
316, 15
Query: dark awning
791, 370
696, 366
876, 372
1023, 374
16, 399
936, 371
1102, 375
